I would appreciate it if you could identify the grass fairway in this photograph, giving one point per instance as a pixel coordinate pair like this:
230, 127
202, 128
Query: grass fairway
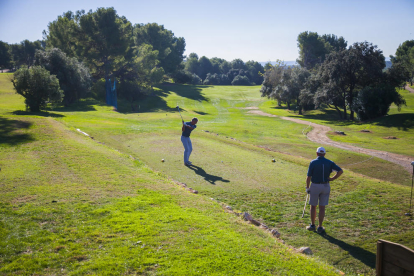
72, 206
113, 213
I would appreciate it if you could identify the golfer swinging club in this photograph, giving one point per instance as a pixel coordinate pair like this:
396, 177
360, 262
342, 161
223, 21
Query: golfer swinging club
185, 139
319, 172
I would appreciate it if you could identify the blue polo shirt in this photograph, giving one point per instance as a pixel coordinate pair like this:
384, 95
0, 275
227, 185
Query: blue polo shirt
320, 169
187, 131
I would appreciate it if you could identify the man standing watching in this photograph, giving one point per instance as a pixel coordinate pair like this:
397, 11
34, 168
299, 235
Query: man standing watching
185, 139
319, 173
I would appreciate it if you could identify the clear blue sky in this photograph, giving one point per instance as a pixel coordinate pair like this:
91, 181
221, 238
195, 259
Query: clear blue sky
251, 30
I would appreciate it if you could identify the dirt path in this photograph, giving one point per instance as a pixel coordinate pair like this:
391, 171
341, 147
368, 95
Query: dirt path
409, 89
319, 135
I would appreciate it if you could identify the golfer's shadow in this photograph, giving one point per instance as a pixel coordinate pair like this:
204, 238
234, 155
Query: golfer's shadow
208, 177
366, 257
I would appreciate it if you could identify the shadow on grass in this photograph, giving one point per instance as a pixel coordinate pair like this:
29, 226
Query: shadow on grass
200, 112
8, 135
402, 121
192, 92
208, 177
365, 256
83, 105
41, 113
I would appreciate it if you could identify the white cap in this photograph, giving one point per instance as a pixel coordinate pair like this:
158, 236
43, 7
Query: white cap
321, 150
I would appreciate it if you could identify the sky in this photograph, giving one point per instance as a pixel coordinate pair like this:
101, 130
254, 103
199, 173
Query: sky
260, 30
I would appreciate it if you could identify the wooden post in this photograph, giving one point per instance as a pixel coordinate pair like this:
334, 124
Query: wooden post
379, 257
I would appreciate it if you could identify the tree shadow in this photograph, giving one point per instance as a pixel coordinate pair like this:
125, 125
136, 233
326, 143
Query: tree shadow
192, 92
155, 102
41, 113
208, 177
8, 135
402, 121
82, 105
365, 256
200, 112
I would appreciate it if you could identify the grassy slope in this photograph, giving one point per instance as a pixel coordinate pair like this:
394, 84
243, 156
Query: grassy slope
241, 174
398, 123
70, 205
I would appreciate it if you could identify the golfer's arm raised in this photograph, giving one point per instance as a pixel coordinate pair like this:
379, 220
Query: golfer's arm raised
338, 174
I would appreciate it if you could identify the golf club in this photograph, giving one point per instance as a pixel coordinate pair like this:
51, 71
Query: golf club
412, 184
180, 112
304, 207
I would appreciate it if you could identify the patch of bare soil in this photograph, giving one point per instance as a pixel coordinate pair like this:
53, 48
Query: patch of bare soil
390, 137
319, 135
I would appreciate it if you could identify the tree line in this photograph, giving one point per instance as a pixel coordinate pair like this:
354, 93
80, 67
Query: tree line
217, 71
349, 79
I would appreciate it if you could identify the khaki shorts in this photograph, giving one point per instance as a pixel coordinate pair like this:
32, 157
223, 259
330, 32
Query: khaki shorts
319, 193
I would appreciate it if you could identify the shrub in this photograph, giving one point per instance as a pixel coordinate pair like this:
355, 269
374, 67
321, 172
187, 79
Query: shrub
373, 102
196, 79
73, 76
37, 86
240, 80
212, 79
182, 77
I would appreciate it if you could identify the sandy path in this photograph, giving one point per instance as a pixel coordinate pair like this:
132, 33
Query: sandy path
319, 135
409, 89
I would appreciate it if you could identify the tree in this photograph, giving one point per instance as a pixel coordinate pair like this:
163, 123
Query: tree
37, 86
238, 64
272, 81
405, 56
292, 84
240, 80
373, 102
170, 48
204, 67
337, 44
268, 66
63, 33
346, 72
256, 71
212, 79
192, 64
73, 76
312, 49
104, 42
5, 57
23, 53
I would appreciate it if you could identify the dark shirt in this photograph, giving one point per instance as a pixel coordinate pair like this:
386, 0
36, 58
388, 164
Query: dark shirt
187, 131
320, 169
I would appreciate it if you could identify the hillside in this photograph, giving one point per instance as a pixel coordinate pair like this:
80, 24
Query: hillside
109, 204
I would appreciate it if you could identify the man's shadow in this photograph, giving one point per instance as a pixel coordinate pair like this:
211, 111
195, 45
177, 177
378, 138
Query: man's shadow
365, 256
208, 177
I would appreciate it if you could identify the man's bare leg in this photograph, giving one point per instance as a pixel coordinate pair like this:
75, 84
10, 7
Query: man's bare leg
313, 214
321, 215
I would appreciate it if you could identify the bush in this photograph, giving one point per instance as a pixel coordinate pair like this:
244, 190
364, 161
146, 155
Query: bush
73, 76
37, 86
212, 79
240, 80
373, 102
196, 79
182, 77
